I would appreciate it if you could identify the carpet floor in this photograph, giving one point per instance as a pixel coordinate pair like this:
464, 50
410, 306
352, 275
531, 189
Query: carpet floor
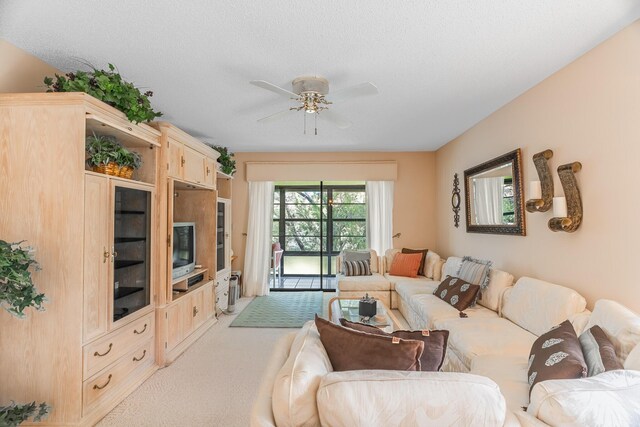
280, 310
214, 383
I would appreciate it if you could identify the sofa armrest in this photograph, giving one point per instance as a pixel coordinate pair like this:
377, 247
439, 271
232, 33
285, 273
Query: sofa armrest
382, 398
262, 413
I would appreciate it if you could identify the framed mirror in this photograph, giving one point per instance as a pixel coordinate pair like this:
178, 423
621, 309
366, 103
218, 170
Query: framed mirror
493, 195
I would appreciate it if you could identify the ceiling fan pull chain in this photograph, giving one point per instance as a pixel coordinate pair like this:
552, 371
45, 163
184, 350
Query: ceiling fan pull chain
315, 124
305, 124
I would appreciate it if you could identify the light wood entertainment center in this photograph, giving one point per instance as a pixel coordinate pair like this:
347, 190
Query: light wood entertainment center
114, 314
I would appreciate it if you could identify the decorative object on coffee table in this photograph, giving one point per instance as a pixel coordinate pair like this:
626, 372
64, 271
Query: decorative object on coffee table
348, 308
367, 307
541, 191
455, 200
572, 220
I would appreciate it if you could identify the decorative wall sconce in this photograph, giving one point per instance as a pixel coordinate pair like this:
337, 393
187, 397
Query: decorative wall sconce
567, 211
541, 192
455, 200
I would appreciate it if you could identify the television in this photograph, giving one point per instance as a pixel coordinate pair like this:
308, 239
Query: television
184, 248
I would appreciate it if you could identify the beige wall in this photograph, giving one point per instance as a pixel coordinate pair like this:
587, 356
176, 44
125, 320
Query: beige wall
414, 191
587, 112
20, 71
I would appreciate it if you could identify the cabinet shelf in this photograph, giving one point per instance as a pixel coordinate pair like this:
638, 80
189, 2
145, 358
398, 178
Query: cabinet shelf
125, 292
126, 263
129, 239
129, 212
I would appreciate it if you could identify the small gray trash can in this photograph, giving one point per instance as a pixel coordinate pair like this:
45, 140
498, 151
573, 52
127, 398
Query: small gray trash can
233, 293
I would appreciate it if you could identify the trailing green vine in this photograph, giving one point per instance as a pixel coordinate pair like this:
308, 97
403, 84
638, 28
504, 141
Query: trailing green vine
15, 414
107, 86
17, 291
227, 163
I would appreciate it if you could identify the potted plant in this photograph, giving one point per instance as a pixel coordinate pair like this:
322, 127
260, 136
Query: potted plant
227, 163
17, 293
128, 162
103, 154
109, 87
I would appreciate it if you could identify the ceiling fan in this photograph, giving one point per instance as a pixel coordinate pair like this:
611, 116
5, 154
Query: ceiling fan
310, 93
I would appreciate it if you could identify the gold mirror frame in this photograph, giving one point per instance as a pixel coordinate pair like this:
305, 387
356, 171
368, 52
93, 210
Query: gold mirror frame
519, 228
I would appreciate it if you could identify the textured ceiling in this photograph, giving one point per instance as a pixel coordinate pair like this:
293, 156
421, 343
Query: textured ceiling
441, 66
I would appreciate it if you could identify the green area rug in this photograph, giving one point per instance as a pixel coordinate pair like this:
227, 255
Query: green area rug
280, 310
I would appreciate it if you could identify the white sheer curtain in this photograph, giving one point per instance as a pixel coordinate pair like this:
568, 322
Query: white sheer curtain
379, 215
257, 255
488, 200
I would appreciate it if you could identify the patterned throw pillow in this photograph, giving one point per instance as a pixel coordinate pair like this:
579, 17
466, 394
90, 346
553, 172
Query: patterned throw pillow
356, 268
598, 351
556, 355
405, 265
457, 292
435, 342
422, 261
355, 256
475, 271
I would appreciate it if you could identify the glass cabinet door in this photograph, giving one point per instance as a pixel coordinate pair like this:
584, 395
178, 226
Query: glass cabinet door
131, 250
220, 240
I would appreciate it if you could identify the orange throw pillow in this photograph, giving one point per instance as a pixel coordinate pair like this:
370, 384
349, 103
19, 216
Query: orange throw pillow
406, 265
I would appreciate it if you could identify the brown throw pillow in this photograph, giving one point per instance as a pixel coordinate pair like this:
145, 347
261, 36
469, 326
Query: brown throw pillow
424, 257
556, 355
457, 292
351, 350
599, 353
435, 342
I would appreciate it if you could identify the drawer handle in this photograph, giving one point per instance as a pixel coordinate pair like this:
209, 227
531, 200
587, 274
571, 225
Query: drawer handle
100, 387
135, 331
217, 284
144, 353
217, 299
106, 352
225, 294
195, 311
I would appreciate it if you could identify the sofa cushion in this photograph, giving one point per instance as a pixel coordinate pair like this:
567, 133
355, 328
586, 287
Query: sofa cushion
433, 310
608, 399
510, 373
295, 386
475, 271
537, 306
435, 342
402, 279
499, 281
599, 352
406, 265
375, 282
417, 251
433, 266
350, 350
390, 398
556, 354
480, 336
452, 266
407, 288
621, 325
389, 255
356, 268
457, 292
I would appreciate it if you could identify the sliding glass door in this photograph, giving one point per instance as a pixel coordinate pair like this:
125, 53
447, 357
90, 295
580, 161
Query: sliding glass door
313, 223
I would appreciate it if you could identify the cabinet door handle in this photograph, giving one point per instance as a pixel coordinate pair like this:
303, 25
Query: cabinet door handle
105, 254
182, 160
106, 352
195, 311
100, 387
144, 353
135, 331
208, 170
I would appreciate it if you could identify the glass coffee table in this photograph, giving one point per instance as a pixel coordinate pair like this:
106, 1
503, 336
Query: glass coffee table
347, 308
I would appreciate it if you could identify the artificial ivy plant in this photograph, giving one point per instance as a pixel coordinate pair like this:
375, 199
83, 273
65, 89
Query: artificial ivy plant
107, 86
17, 291
227, 163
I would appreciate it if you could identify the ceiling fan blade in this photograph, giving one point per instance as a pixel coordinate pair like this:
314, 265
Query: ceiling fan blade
273, 88
363, 89
335, 118
274, 117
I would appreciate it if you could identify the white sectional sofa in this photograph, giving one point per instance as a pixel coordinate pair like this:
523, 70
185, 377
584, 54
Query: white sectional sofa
485, 378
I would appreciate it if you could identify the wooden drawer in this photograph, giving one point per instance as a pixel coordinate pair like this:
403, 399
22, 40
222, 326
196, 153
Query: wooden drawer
222, 281
100, 353
111, 380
